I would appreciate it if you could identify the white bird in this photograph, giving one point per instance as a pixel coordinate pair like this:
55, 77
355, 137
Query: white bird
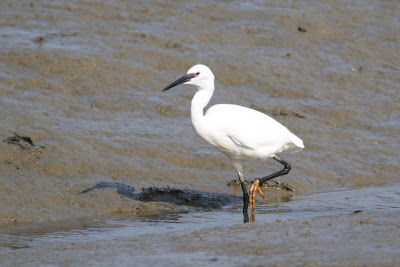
240, 133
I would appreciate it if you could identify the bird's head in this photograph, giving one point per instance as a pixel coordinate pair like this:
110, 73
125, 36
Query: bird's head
199, 75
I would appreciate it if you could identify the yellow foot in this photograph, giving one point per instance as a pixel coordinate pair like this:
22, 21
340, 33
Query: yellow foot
254, 188
252, 217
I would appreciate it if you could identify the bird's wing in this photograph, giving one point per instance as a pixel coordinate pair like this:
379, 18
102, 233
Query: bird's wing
247, 127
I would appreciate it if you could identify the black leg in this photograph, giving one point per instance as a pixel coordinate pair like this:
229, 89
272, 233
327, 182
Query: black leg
284, 171
245, 203
245, 197
246, 217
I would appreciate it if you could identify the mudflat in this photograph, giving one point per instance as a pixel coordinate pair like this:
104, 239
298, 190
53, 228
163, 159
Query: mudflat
81, 108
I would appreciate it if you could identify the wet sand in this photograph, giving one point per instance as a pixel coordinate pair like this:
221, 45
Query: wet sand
83, 80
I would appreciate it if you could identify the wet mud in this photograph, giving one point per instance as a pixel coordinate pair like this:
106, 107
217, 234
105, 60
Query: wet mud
282, 235
81, 107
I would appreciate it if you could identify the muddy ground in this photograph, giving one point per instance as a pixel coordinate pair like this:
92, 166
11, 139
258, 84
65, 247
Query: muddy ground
83, 81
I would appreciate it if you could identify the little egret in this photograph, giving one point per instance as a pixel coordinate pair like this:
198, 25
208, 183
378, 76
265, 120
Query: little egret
240, 133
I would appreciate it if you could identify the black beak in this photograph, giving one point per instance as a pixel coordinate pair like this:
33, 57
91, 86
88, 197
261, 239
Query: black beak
183, 79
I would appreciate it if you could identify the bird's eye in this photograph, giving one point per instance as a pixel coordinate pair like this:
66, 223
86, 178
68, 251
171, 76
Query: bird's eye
197, 73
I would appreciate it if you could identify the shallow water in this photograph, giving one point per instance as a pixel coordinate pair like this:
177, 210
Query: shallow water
303, 207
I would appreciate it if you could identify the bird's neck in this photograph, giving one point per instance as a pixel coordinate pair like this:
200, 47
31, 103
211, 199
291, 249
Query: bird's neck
199, 102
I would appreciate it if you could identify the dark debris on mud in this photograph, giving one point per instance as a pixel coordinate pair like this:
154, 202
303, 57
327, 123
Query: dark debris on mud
43, 38
268, 184
187, 197
301, 29
24, 142
278, 111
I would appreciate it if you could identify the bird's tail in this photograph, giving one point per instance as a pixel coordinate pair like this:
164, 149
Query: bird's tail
295, 145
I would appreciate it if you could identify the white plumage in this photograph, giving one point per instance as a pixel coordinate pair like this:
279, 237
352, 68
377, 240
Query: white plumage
246, 133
